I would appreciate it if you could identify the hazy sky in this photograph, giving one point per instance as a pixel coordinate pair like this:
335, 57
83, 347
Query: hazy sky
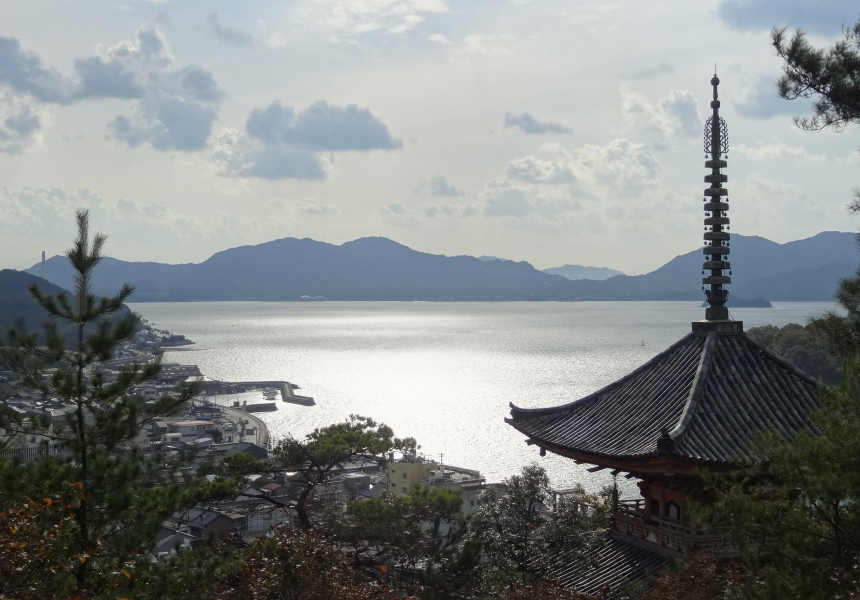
547, 131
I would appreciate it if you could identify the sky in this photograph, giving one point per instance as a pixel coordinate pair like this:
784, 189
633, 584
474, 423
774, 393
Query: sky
539, 130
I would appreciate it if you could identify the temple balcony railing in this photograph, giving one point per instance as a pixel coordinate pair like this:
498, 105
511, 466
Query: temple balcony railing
680, 536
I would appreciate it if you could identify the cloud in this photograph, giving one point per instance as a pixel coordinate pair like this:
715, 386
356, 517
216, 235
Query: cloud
762, 101
528, 124
777, 151
24, 72
493, 46
438, 38
507, 199
824, 17
227, 34
438, 186
780, 211
46, 212
237, 155
558, 191
167, 124
312, 206
360, 17
508, 202
282, 143
306, 206
321, 127
172, 108
620, 165
397, 214
650, 72
21, 123
674, 115
276, 40
536, 170
450, 210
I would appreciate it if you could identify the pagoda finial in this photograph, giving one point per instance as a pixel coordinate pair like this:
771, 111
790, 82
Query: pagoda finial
716, 200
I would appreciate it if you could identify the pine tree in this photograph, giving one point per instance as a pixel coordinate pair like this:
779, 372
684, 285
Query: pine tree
831, 79
314, 457
524, 531
124, 495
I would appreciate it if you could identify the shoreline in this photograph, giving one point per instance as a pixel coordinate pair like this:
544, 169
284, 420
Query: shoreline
261, 435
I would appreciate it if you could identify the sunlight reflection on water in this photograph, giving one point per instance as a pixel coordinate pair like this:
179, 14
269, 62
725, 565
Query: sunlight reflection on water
441, 372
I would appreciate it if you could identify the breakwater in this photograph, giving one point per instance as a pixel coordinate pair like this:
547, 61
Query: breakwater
236, 387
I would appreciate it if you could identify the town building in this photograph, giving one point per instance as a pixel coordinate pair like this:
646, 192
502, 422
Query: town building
693, 406
405, 473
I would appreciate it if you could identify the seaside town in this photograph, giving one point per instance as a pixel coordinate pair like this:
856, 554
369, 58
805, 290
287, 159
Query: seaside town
212, 427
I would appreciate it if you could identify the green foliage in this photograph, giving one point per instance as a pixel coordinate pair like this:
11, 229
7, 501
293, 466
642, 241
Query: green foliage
313, 457
524, 531
798, 527
200, 574
411, 536
831, 77
843, 332
806, 347
124, 496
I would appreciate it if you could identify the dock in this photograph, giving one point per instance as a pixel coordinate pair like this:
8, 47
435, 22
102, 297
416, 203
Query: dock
237, 387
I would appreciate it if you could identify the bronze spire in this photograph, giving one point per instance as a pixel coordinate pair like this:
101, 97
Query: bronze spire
716, 200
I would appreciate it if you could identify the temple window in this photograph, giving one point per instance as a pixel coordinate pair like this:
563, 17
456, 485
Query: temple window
655, 506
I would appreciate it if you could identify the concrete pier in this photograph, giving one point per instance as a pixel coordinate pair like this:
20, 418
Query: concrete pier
235, 387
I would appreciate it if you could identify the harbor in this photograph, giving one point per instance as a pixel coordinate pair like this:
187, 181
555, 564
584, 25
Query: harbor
271, 390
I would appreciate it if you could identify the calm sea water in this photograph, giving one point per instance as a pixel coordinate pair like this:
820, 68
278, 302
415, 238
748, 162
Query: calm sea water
443, 373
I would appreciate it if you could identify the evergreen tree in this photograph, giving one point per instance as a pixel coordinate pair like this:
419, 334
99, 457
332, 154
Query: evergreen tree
525, 531
803, 346
795, 517
314, 457
830, 77
411, 537
123, 496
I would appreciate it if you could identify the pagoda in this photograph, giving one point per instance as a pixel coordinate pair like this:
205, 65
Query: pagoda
694, 406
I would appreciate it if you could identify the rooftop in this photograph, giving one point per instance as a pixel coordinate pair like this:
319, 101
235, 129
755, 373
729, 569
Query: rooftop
697, 401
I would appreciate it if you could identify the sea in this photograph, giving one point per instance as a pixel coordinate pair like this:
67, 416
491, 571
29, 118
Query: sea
444, 373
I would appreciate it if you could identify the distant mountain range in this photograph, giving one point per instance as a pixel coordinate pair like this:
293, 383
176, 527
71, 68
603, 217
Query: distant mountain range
572, 272
577, 272
377, 268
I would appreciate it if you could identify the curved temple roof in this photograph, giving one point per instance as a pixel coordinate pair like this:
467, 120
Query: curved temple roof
697, 402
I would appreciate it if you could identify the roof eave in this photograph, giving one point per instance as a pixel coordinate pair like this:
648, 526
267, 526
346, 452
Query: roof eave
650, 462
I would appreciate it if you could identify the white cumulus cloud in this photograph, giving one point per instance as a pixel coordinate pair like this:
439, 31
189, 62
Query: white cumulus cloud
776, 151
674, 115
280, 142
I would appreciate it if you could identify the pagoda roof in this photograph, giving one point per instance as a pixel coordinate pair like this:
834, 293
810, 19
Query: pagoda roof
696, 402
